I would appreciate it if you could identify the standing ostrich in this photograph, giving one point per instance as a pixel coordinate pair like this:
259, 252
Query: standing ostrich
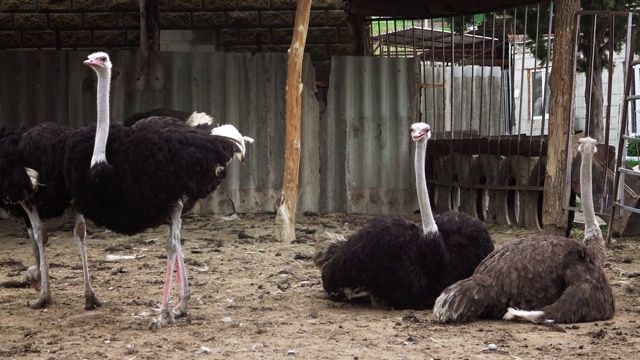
400, 264
32, 186
144, 176
539, 278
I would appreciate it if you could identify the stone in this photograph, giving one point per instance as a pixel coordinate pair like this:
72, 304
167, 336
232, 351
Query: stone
276, 18
242, 19
219, 5
124, 5
65, 21
9, 39
19, 5
30, 21
38, 39
180, 20
213, 20
100, 20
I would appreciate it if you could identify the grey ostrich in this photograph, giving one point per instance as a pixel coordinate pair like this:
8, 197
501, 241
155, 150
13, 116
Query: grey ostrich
539, 278
400, 264
129, 179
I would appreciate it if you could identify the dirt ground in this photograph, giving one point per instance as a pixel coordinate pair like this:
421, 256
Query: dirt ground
254, 297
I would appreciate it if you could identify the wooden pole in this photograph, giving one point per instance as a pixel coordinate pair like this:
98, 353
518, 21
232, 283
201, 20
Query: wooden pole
554, 218
149, 29
286, 216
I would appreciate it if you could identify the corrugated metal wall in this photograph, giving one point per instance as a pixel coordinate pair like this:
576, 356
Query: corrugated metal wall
359, 160
368, 167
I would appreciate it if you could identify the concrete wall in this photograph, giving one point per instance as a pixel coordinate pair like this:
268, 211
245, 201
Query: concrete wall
186, 25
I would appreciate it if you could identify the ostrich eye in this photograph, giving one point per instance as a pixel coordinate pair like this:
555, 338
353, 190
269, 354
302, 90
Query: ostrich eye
103, 59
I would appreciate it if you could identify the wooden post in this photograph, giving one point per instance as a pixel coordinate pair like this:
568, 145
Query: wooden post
554, 218
149, 29
286, 216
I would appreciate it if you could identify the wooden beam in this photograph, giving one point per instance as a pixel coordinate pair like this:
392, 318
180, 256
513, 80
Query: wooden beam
554, 217
149, 28
286, 216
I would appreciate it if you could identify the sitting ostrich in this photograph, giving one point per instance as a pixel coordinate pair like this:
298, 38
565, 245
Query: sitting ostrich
32, 186
539, 278
402, 265
144, 176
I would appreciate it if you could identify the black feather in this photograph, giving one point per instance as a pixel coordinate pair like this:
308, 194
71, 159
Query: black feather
149, 168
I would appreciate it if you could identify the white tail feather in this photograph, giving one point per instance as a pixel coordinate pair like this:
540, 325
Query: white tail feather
230, 131
33, 176
516, 314
199, 118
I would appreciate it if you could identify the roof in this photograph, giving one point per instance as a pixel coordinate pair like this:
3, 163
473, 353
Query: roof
429, 8
441, 45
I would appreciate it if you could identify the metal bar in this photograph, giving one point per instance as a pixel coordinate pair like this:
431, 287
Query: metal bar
630, 138
629, 172
602, 12
627, 208
567, 174
631, 39
607, 132
486, 186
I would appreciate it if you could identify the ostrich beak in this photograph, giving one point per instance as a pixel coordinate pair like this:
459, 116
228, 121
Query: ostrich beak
92, 62
416, 135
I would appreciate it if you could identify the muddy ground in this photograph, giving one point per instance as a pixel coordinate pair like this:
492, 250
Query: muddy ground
254, 297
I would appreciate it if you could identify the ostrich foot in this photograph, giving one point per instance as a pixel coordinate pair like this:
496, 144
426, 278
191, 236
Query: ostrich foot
165, 318
91, 301
180, 311
33, 276
40, 302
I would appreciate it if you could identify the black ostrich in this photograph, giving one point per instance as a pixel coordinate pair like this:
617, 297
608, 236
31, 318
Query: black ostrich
32, 186
195, 119
539, 278
128, 179
402, 265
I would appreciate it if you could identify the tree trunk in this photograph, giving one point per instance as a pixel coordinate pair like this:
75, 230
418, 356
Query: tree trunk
595, 102
554, 217
286, 217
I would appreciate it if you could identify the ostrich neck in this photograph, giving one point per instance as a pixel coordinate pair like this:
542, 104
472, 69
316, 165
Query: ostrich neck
102, 125
592, 235
428, 223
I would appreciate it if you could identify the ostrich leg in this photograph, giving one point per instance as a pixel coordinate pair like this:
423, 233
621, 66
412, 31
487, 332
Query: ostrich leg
181, 271
80, 234
45, 287
174, 257
33, 272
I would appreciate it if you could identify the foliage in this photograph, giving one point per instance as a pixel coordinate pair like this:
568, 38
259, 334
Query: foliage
633, 148
383, 26
596, 37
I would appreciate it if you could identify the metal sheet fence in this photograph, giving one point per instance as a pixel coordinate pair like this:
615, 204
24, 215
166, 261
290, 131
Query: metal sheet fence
358, 159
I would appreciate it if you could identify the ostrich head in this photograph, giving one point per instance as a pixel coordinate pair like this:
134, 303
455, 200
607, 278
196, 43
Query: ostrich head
420, 131
99, 62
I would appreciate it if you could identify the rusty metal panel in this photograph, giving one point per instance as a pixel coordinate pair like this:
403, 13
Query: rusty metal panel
368, 166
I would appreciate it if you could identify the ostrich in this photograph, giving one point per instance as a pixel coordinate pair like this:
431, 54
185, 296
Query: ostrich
194, 119
142, 177
539, 278
32, 186
399, 264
